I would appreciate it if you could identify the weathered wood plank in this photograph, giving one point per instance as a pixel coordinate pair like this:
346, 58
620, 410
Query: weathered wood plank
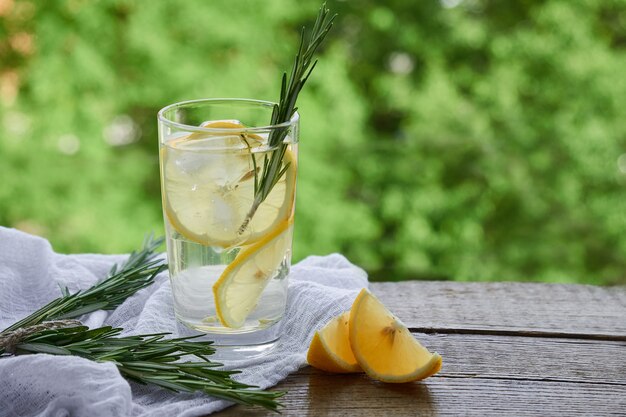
540, 359
312, 393
481, 375
551, 309
508, 348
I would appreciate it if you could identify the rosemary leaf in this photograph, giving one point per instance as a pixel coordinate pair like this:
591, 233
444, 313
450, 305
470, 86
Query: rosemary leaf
151, 359
291, 86
136, 273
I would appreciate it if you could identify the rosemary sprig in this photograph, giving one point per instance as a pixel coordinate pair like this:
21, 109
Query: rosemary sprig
137, 272
151, 359
273, 169
147, 359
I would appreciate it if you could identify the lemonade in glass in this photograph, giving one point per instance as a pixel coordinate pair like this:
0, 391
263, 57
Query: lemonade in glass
229, 251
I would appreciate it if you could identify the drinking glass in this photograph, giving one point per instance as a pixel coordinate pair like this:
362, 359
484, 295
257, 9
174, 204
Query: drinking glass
228, 181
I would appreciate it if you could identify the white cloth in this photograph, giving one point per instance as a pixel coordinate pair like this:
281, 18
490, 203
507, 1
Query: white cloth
47, 385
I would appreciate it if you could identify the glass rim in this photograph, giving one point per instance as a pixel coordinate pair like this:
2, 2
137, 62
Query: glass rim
249, 129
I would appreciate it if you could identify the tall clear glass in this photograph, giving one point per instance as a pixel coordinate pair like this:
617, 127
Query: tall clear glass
228, 182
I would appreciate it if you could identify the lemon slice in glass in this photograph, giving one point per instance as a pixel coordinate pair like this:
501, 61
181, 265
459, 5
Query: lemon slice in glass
209, 187
239, 288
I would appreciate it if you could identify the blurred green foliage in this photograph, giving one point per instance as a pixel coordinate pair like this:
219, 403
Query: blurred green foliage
451, 139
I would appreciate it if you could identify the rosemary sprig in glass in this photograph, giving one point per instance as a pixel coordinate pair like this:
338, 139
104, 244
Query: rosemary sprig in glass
273, 169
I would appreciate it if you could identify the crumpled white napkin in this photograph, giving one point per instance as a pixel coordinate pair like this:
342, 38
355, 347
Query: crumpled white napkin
47, 385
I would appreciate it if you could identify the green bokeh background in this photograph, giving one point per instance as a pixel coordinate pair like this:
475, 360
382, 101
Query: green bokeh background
448, 139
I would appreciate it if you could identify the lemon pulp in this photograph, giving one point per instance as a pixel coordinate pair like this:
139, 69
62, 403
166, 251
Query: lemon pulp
208, 190
384, 347
240, 286
209, 182
330, 348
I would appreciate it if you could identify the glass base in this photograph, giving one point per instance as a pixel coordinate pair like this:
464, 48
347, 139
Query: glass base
227, 353
233, 346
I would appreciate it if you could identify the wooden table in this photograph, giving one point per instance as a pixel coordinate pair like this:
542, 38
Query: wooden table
516, 349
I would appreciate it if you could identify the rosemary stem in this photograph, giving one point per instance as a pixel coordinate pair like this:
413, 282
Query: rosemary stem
255, 206
284, 110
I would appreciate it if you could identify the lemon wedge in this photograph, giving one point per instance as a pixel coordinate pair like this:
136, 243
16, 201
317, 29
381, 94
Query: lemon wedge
208, 186
239, 288
330, 348
384, 347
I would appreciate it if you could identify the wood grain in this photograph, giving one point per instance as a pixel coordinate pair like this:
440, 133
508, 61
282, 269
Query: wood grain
509, 349
510, 369
312, 393
536, 309
521, 358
